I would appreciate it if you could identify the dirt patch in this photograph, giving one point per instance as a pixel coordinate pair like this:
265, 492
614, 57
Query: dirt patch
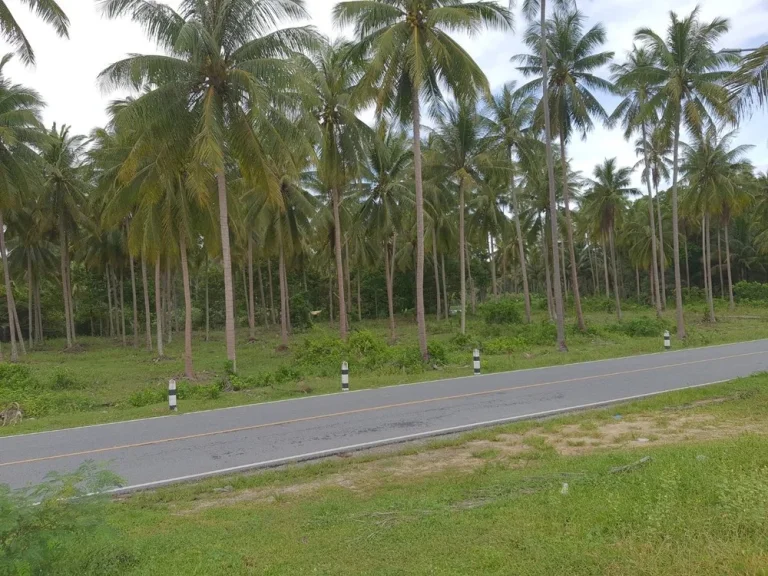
512, 449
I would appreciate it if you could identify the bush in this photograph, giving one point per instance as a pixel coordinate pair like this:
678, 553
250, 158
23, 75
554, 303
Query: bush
461, 341
543, 334
147, 396
504, 345
43, 526
750, 292
64, 380
501, 311
640, 327
437, 353
301, 313
17, 377
38, 405
320, 351
598, 304
365, 343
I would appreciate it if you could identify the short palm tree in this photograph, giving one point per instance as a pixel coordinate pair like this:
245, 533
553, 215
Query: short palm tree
509, 114
48, 10
20, 131
688, 77
572, 61
605, 203
224, 68
411, 54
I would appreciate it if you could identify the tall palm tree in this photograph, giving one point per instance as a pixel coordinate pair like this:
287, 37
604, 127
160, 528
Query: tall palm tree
510, 114
713, 170
532, 8
21, 131
749, 84
48, 10
572, 61
342, 139
224, 68
411, 53
63, 157
630, 110
460, 151
688, 76
385, 194
605, 203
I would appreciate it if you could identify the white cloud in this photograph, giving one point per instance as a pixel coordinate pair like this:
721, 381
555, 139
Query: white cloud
66, 70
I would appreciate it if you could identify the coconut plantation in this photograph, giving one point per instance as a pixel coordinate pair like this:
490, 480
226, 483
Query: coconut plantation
275, 195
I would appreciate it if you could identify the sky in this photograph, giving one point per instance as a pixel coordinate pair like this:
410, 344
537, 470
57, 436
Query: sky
66, 70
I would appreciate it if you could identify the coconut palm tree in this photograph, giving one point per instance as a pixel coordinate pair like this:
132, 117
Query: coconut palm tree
342, 139
63, 157
532, 9
47, 10
225, 66
572, 61
688, 77
637, 91
509, 114
713, 170
411, 54
21, 133
385, 194
605, 203
749, 84
461, 152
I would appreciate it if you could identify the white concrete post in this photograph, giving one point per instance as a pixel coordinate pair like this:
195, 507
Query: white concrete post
667, 341
172, 394
476, 359
344, 377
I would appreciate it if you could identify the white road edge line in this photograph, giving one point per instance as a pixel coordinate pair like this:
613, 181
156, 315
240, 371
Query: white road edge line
361, 390
395, 440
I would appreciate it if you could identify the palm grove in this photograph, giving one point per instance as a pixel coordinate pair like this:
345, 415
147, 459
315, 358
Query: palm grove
239, 184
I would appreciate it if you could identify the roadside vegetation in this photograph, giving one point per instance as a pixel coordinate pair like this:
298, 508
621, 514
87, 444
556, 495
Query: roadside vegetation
675, 483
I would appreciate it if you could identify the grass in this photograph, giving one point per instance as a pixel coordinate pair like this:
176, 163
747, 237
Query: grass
488, 502
103, 382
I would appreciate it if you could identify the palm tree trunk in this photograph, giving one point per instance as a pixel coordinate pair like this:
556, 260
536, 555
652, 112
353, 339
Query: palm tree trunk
565, 274
188, 370
615, 274
472, 293
30, 307
462, 263
559, 308
359, 300
492, 263
349, 283
655, 263
207, 303
244, 276
662, 268
8, 293
675, 237
122, 306
147, 316
226, 258
687, 267
593, 270
389, 271
605, 270
109, 303
547, 275
168, 300
158, 308
337, 248
437, 273
135, 303
271, 291
65, 296
39, 315
569, 231
637, 282
520, 245
445, 288
709, 273
251, 307
330, 301
731, 305
720, 264
283, 296
19, 335
704, 263
420, 317
261, 293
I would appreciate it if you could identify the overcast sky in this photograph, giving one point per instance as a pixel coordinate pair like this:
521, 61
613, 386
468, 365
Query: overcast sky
66, 70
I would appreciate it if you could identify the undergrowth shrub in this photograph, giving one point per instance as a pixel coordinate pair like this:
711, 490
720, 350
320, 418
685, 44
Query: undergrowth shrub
501, 311
750, 292
640, 327
504, 345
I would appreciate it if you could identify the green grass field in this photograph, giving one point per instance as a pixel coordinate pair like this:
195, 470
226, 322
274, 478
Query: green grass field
102, 381
691, 500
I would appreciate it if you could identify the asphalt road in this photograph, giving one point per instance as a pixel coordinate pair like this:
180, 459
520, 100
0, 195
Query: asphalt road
158, 451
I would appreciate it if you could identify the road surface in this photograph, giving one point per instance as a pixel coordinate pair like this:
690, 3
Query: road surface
175, 448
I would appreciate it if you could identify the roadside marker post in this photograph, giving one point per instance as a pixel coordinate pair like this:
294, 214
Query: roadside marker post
344, 377
667, 341
476, 359
172, 395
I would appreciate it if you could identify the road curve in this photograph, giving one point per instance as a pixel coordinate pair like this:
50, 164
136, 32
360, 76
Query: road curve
158, 451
